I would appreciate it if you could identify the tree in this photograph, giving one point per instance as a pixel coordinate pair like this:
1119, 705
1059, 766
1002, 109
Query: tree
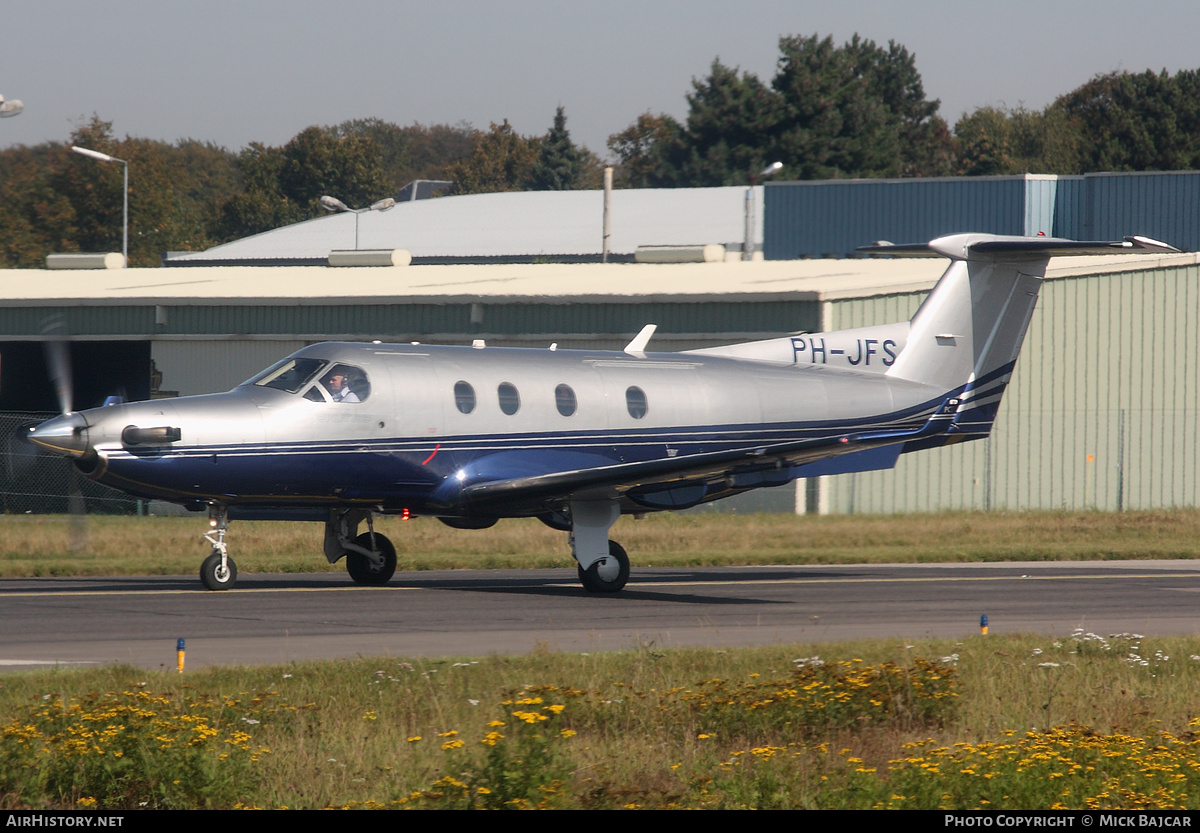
57, 201
500, 160
645, 151
416, 151
1126, 122
983, 143
729, 134
561, 165
284, 185
856, 110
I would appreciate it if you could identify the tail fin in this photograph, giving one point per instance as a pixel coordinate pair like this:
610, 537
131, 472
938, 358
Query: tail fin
968, 332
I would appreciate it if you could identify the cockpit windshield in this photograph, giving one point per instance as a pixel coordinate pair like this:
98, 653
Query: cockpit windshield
288, 375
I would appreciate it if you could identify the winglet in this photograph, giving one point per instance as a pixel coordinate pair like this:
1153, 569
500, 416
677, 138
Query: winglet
638, 345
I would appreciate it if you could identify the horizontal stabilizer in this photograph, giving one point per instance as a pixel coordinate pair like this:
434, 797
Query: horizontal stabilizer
992, 246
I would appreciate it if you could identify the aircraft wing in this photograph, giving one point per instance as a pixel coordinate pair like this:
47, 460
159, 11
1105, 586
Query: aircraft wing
538, 490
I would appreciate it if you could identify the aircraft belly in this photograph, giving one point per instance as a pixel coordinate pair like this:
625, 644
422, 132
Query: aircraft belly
318, 476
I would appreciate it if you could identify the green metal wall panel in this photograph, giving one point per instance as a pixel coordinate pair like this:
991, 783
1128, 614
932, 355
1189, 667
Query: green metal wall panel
1102, 411
417, 320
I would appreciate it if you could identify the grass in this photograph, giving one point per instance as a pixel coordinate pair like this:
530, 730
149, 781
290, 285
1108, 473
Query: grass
1023, 722
47, 545
1015, 722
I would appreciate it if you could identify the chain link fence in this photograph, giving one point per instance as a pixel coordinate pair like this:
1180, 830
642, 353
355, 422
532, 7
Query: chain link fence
34, 481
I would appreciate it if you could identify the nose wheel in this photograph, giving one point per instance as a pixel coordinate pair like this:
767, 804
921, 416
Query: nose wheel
217, 573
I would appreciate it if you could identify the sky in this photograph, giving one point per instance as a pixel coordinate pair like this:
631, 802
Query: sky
262, 70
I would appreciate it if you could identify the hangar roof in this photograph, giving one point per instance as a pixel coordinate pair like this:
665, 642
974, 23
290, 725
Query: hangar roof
807, 280
810, 280
511, 224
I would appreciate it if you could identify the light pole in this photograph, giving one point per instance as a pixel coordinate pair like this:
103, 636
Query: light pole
10, 108
334, 204
104, 157
748, 243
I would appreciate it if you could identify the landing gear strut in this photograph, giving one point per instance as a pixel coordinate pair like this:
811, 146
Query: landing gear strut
218, 572
370, 557
603, 564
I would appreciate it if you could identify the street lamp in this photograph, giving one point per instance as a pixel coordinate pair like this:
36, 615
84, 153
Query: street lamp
336, 205
10, 108
104, 157
748, 243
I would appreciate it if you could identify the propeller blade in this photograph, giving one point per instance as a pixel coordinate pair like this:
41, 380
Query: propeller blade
58, 362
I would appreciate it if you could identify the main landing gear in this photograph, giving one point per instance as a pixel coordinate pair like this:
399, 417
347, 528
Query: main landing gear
603, 564
370, 557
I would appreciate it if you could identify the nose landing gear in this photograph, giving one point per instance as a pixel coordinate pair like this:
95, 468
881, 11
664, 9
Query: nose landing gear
218, 572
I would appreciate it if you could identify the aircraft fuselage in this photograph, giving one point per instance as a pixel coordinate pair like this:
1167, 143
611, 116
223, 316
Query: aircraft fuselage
437, 418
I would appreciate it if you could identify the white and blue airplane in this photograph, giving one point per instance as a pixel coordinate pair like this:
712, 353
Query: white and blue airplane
341, 432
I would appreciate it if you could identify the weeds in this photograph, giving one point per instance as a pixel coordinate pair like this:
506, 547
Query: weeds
879, 724
41, 545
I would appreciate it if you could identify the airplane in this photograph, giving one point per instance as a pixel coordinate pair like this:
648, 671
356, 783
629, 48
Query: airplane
341, 432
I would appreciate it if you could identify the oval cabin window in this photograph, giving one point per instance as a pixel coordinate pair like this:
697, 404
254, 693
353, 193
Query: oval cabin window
464, 397
635, 401
564, 398
510, 400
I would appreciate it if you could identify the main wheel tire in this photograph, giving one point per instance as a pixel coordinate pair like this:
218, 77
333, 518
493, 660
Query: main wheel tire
363, 571
215, 577
608, 575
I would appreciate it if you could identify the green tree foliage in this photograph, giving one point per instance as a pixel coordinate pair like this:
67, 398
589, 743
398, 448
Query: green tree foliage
58, 201
729, 114
503, 160
283, 185
995, 141
1137, 122
857, 110
500, 160
561, 165
646, 151
416, 151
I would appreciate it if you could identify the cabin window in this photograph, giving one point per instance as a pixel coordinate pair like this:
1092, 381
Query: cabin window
510, 400
464, 397
635, 401
564, 398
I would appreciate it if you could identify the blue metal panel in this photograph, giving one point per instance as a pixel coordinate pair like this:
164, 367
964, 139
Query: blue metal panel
1071, 209
817, 219
1164, 206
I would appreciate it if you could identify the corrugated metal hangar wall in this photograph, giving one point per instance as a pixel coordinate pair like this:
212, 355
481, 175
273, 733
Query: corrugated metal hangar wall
831, 218
1101, 412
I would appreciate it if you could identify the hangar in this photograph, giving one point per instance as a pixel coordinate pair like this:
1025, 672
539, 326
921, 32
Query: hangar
1101, 412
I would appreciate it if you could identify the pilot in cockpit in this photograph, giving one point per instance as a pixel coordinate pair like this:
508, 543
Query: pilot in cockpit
337, 382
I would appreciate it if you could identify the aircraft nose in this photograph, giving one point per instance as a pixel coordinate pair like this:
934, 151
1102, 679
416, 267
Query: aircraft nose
66, 435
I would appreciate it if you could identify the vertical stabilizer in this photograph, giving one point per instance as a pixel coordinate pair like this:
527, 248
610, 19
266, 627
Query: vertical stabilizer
966, 336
